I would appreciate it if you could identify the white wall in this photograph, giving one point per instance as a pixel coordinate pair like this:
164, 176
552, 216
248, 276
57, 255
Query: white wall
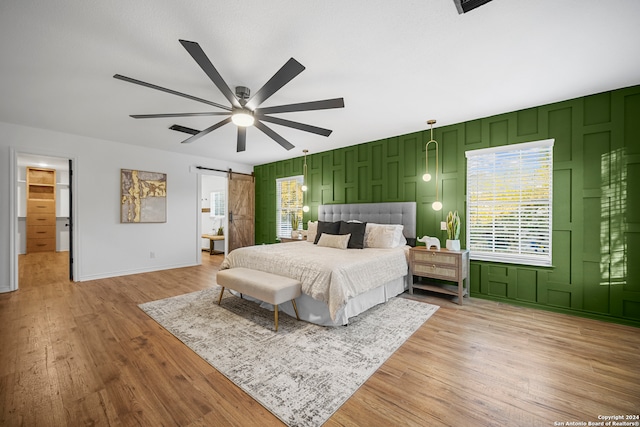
105, 247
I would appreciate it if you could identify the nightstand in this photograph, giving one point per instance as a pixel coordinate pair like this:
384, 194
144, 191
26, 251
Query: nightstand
442, 264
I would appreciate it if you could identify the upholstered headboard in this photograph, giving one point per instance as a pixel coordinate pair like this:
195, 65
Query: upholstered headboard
382, 213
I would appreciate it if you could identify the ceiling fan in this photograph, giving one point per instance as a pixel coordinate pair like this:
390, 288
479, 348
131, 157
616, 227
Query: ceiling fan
245, 110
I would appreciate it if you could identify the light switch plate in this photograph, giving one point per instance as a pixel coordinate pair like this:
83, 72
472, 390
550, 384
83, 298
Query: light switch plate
443, 225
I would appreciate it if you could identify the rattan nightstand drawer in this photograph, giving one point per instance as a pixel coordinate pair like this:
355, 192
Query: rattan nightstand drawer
434, 257
436, 271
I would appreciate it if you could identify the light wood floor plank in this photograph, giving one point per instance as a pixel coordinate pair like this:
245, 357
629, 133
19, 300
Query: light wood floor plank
85, 354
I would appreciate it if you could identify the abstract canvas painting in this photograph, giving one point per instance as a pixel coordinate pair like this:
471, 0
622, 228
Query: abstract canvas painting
143, 196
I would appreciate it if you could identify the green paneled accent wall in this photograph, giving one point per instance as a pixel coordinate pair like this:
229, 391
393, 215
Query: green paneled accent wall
596, 212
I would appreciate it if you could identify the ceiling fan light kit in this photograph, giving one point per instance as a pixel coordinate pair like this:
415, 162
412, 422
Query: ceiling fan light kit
245, 110
243, 117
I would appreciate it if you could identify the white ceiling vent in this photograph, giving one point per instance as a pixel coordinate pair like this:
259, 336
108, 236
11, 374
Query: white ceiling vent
465, 6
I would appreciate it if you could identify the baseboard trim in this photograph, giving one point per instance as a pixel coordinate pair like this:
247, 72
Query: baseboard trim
86, 278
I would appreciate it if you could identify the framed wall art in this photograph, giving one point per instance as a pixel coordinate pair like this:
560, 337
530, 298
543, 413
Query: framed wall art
143, 196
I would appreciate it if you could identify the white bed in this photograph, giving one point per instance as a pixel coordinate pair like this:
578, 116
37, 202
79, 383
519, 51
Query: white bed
338, 284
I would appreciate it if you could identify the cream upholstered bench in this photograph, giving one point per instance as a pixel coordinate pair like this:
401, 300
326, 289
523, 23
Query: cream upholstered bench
264, 286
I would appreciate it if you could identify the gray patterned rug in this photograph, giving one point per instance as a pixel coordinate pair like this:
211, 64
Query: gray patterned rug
303, 373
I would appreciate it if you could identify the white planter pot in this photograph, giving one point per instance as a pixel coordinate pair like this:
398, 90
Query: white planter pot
295, 234
453, 245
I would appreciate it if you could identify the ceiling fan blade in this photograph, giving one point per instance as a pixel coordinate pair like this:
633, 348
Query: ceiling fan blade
206, 131
303, 106
242, 138
173, 92
201, 58
184, 129
273, 135
283, 76
157, 116
295, 125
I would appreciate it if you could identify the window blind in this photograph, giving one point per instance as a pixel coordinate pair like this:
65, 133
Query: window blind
509, 203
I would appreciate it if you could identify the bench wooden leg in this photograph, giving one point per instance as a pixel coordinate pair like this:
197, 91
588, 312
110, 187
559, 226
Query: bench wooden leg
295, 308
275, 315
221, 292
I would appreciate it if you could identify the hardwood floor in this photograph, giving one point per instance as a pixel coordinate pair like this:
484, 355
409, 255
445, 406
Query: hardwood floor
85, 354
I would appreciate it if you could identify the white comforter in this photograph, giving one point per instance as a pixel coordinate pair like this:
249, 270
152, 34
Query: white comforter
327, 274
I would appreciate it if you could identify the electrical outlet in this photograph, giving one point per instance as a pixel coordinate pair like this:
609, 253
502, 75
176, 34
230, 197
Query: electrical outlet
443, 225
152, 254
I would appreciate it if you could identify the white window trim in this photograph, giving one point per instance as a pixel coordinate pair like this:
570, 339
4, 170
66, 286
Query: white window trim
285, 229
512, 258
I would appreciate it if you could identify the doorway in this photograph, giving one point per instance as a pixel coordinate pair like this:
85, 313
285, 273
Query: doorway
59, 247
227, 210
213, 217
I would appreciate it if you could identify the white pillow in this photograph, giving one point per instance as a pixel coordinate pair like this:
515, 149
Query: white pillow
398, 237
384, 236
380, 237
312, 229
339, 241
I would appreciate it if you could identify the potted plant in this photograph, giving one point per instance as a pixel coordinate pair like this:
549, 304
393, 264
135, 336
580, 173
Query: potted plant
220, 231
295, 223
453, 231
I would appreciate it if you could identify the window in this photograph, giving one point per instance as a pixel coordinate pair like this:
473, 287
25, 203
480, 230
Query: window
509, 201
217, 204
289, 200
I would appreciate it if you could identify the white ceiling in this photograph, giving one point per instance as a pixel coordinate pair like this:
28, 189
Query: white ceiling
396, 63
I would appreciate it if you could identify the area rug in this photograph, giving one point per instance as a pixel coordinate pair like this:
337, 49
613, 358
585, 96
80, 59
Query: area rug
304, 372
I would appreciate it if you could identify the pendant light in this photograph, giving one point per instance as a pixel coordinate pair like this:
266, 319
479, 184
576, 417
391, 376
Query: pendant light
305, 207
427, 176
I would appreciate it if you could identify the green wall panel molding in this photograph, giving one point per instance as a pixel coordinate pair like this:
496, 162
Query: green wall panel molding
527, 122
473, 132
558, 125
597, 109
596, 213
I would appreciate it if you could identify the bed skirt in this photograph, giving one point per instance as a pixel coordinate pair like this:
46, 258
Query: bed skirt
314, 311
